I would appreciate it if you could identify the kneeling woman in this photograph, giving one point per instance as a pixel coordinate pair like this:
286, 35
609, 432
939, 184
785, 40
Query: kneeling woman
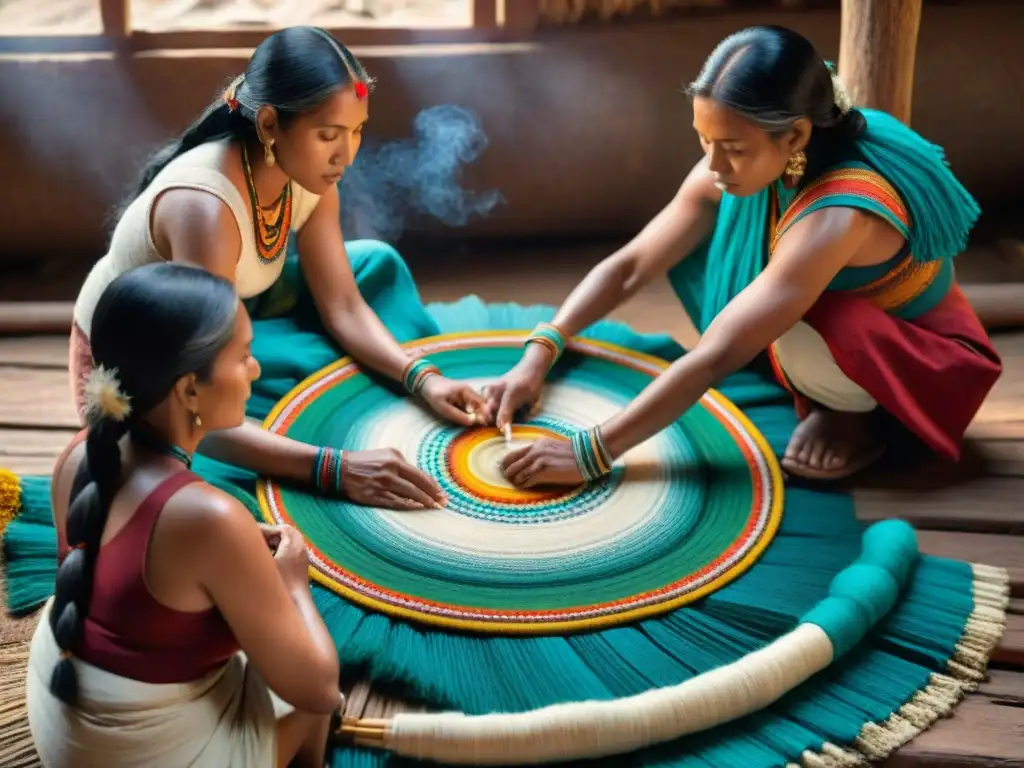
257, 169
152, 650
822, 234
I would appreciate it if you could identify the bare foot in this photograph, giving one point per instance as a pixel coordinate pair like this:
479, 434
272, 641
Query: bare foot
829, 445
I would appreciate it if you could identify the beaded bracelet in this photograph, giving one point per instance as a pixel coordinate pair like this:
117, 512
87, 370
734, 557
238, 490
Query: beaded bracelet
416, 373
592, 456
550, 337
328, 470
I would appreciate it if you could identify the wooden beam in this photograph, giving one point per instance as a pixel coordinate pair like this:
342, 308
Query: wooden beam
877, 48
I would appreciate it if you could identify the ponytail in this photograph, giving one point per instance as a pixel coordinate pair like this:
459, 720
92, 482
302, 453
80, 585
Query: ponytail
216, 122
96, 482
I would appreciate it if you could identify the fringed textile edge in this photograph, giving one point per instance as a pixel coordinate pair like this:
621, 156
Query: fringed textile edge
10, 498
17, 750
965, 671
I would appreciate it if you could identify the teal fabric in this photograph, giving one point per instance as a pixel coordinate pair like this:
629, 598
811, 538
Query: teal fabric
942, 214
819, 536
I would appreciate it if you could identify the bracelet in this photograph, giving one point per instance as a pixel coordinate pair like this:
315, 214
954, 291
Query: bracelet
328, 470
416, 373
592, 456
550, 337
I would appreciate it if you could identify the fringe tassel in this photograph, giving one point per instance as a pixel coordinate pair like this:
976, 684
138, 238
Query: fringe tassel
10, 499
17, 749
966, 670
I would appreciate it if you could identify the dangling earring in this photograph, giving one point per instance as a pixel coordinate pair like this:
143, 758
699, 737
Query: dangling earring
796, 165
268, 153
196, 421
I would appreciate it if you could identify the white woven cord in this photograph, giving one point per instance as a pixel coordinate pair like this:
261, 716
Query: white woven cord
590, 729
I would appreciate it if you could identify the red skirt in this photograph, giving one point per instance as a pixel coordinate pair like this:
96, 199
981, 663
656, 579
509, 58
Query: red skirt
931, 373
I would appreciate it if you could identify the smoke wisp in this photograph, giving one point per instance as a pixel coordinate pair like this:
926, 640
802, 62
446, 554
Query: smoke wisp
392, 183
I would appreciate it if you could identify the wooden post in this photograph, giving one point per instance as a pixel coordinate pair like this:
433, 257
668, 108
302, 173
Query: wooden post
485, 14
520, 15
117, 21
877, 48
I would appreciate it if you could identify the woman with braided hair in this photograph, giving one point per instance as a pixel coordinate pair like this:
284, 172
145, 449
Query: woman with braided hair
255, 174
152, 650
815, 232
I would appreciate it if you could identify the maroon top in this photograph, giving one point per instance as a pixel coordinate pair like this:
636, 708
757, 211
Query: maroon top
127, 631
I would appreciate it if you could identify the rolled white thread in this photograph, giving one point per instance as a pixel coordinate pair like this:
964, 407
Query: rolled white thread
590, 729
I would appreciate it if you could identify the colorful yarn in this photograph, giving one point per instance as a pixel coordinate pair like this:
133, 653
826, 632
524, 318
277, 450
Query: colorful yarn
416, 373
549, 337
591, 454
328, 470
509, 561
10, 498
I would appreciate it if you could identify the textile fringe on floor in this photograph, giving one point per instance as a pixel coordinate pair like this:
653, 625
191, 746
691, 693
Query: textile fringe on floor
938, 699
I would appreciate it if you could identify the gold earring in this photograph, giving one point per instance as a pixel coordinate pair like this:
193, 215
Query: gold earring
268, 153
796, 165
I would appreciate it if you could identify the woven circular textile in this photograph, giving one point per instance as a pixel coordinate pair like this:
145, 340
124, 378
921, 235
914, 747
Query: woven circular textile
681, 515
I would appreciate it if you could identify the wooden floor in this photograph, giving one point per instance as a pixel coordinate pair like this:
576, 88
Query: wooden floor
974, 513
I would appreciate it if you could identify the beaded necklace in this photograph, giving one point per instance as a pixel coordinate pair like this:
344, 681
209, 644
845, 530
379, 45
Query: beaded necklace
158, 445
271, 229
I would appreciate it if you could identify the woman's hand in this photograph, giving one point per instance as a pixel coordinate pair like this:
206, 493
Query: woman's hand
517, 390
454, 400
290, 554
544, 462
383, 478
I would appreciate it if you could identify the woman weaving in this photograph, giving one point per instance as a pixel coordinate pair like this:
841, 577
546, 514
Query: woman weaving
136, 658
258, 165
817, 232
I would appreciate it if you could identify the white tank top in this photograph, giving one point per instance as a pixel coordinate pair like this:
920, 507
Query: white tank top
132, 242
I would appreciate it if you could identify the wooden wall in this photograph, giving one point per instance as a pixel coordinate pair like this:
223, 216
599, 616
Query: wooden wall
589, 132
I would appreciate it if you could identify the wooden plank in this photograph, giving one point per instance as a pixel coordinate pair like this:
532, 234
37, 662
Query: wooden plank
983, 548
36, 351
978, 505
1001, 455
1004, 685
1002, 414
998, 305
354, 37
28, 465
1010, 651
982, 733
36, 398
23, 317
34, 442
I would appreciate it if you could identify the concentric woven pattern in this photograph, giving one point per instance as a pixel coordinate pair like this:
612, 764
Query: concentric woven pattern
681, 515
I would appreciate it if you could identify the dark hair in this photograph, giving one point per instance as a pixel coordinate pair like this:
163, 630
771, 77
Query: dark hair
772, 76
294, 70
152, 325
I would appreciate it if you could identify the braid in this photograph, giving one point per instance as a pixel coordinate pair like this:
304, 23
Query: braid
96, 482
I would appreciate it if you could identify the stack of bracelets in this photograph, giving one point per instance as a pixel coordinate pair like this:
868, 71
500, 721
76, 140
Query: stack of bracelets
328, 470
548, 335
416, 373
591, 454
588, 447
